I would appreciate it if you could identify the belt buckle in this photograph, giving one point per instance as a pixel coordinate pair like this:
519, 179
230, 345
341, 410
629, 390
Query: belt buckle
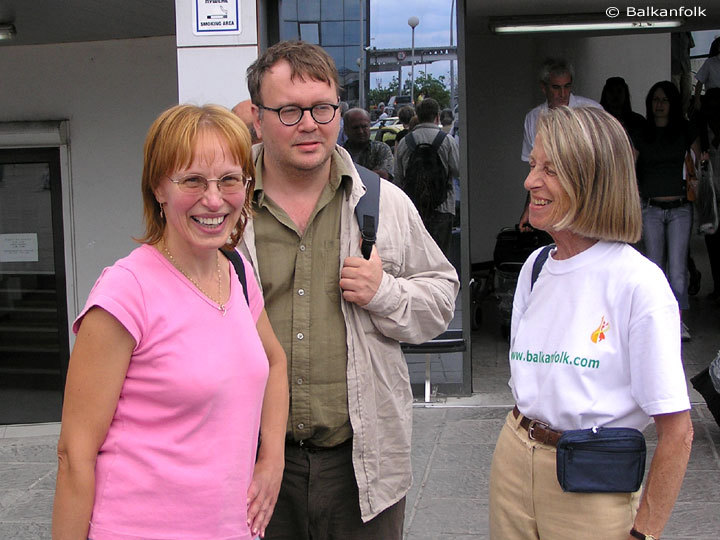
531, 428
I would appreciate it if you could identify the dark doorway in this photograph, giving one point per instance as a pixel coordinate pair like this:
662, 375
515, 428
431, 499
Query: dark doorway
34, 348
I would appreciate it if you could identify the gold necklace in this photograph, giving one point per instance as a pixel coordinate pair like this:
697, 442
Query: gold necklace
221, 306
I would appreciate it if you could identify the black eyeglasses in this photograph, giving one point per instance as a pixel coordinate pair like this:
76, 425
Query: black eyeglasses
322, 113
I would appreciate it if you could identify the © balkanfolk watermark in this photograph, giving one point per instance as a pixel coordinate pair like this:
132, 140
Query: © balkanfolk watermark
650, 11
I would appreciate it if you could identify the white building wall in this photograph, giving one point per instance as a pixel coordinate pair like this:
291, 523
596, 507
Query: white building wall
110, 91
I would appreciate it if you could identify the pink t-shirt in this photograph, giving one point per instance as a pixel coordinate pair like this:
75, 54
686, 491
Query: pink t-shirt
179, 455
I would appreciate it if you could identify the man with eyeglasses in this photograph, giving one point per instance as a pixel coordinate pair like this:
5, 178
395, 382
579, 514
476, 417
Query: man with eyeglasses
339, 317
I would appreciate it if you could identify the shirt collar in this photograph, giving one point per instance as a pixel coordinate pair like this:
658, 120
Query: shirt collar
340, 175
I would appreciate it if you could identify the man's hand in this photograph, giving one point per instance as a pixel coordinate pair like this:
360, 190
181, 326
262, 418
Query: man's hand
263, 494
360, 279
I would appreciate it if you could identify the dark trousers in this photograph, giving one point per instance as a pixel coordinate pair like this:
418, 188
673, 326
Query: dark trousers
319, 500
712, 242
439, 225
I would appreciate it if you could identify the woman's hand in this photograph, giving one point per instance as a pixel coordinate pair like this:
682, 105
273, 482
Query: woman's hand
667, 470
263, 493
267, 476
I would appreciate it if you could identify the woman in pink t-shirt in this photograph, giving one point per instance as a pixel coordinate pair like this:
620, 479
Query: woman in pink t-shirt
174, 371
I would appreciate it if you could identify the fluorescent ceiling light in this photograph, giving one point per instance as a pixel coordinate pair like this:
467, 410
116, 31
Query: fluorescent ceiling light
517, 27
7, 32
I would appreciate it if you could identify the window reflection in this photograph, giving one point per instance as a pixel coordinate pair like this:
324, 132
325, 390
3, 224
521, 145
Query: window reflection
332, 33
308, 10
310, 32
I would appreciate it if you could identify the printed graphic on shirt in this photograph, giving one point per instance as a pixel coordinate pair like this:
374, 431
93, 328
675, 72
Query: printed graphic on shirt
557, 357
599, 335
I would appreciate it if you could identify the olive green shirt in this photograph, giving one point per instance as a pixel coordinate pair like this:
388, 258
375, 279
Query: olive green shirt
300, 273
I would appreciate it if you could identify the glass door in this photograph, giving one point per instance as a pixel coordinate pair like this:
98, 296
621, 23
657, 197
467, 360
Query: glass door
34, 347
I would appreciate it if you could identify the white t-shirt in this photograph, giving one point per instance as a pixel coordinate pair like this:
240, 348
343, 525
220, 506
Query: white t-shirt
709, 73
598, 341
532, 117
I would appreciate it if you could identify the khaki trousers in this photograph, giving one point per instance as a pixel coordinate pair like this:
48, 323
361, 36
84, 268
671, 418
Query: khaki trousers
527, 502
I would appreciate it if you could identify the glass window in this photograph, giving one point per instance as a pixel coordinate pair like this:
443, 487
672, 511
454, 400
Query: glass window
310, 33
289, 30
352, 33
337, 54
332, 10
308, 10
352, 9
332, 33
288, 10
351, 56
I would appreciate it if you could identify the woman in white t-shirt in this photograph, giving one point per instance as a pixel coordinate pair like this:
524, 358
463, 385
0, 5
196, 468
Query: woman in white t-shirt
594, 344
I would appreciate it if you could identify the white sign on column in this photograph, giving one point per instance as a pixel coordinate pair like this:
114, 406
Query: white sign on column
216, 42
212, 16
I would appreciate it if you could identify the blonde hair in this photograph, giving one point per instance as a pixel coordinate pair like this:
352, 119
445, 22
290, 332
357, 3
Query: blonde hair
595, 167
170, 145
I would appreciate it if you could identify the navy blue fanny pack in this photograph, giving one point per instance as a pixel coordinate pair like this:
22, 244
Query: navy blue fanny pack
601, 460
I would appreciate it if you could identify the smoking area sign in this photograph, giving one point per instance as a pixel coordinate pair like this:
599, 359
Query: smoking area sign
216, 16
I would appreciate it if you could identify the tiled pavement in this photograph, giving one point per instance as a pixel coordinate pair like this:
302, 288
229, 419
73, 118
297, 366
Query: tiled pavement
452, 447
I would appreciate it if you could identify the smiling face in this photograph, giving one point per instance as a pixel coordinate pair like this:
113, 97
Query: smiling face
197, 222
548, 200
306, 146
557, 90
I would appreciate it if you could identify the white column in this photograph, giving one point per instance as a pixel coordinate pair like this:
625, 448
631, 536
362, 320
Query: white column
216, 42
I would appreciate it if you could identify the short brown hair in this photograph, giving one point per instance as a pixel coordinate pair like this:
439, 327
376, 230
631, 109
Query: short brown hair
595, 167
169, 146
306, 61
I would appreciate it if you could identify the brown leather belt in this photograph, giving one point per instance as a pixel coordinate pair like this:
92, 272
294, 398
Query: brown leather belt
537, 430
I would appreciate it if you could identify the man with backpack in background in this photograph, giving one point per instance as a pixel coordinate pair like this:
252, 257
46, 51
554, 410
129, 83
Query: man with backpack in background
426, 159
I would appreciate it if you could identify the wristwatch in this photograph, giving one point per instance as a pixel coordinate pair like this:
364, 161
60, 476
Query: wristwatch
640, 535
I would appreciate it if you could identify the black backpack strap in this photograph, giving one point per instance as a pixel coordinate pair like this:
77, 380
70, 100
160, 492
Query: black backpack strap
538, 264
237, 262
368, 209
438, 140
410, 141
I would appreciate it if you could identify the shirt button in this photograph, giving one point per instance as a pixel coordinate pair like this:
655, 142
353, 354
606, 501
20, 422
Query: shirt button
301, 292
301, 426
302, 247
299, 381
300, 335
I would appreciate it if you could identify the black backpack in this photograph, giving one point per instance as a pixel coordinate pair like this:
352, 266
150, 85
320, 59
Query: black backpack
426, 180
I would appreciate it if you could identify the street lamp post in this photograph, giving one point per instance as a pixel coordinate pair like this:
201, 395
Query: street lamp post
413, 22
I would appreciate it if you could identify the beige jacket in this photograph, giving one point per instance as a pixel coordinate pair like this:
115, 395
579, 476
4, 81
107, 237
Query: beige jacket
414, 303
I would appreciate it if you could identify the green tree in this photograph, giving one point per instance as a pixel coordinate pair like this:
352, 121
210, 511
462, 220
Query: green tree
383, 93
429, 86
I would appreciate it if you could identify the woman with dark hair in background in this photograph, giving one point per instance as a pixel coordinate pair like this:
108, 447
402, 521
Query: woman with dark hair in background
660, 149
615, 99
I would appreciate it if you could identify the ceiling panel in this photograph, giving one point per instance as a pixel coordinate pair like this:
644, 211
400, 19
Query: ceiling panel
61, 21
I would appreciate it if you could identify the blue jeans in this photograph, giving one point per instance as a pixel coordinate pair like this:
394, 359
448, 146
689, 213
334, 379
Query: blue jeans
666, 234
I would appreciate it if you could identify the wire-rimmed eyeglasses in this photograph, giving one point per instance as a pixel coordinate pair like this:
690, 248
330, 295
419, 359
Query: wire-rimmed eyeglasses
322, 113
233, 182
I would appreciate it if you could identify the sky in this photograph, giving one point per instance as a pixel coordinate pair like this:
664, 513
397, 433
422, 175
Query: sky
389, 29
